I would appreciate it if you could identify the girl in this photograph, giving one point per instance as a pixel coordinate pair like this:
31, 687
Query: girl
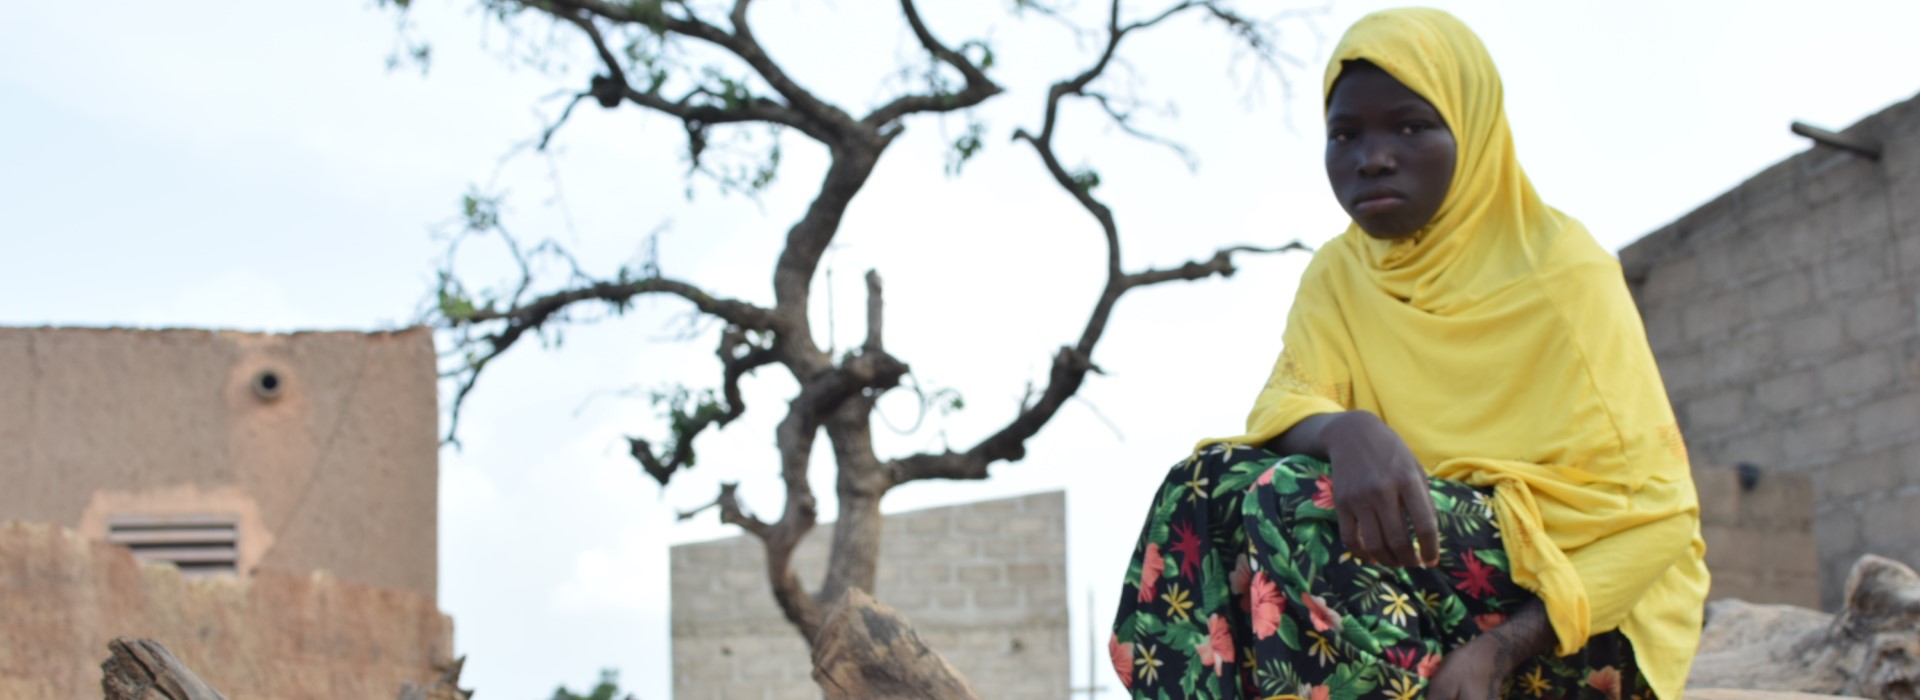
1463, 477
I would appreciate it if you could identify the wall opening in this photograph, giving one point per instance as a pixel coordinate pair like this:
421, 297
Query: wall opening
200, 545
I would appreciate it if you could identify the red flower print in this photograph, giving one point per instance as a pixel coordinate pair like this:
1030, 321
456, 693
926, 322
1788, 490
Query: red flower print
1266, 477
1324, 618
1188, 547
1217, 649
1122, 660
1428, 666
1242, 573
1150, 569
1323, 496
1266, 604
1237, 581
1320, 692
1476, 581
1606, 680
1401, 657
1489, 621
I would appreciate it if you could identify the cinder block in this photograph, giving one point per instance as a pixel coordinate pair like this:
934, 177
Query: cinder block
1812, 335
999, 549
1712, 317
1719, 489
1910, 243
1779, 295
929, 573
950, 598
1816, 438
1755, 446
1682, 373
978, 526
1662, 319
1888, 419
1029, 573
1742, 358
925, 523
1878, 316
1043, 503
1863, 268
1786, 393
996, 597
907, 599
1722, 410
1888, 524
979, 573
1859, 476
1027, 524
1860, 374
1049, 549
1671, 277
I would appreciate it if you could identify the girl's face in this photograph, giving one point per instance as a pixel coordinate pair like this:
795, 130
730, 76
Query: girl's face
1390, 156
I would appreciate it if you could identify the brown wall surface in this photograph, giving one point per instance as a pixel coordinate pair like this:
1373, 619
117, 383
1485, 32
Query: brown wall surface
339, 473
1783, 315
984, 584
273, 636
1760, 545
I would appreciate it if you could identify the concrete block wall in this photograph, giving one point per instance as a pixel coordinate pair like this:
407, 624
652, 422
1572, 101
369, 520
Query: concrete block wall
1785, 319
985, 584
1760, 544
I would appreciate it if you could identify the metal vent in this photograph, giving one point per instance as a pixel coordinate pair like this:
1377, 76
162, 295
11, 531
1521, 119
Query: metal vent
201, 545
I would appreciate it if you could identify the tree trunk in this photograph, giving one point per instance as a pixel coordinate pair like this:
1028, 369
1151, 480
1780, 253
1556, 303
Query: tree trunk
141, 669
866, 650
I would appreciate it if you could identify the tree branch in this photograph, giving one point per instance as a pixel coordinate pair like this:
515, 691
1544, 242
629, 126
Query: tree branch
738, 357
731, 512
740, 42
1072, 363
979, 86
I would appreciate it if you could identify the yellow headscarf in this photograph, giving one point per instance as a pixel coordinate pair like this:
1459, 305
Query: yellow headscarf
1501, 343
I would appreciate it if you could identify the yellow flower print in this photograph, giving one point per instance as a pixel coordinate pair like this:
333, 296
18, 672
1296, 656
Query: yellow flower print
1322, 648
1399, 608
1149, 666
1178, 602
1534, 683
1403, 688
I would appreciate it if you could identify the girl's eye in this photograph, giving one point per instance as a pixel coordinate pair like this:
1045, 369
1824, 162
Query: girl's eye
1413, 128
1338, 137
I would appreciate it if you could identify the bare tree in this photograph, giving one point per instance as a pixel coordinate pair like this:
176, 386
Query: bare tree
641, 46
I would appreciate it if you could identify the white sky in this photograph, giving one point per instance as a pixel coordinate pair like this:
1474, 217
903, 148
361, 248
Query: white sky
254, 165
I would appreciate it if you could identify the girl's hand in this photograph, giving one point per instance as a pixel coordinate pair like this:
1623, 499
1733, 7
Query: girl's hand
1478, 669
1380, 493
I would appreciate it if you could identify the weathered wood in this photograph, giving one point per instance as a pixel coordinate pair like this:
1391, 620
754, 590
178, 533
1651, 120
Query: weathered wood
1871, 649
866, 650
447, 687
141, 669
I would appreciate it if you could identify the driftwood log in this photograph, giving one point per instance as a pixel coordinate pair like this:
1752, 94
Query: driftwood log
1870, 649
866, 650
141, 669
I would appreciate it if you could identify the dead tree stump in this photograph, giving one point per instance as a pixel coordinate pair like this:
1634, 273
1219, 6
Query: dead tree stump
866, 650
141, 669
1871, 649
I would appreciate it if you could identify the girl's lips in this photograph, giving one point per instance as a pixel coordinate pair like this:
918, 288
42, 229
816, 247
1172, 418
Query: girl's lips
1378, 205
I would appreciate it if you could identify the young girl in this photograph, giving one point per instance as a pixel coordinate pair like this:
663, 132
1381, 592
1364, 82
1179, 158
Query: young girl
1463, 478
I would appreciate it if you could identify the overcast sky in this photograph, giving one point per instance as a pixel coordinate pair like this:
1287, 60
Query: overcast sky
256, 166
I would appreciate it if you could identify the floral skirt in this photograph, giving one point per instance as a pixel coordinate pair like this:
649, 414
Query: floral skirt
1241, 588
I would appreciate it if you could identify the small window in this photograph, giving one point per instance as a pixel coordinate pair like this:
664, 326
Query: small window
201, 545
